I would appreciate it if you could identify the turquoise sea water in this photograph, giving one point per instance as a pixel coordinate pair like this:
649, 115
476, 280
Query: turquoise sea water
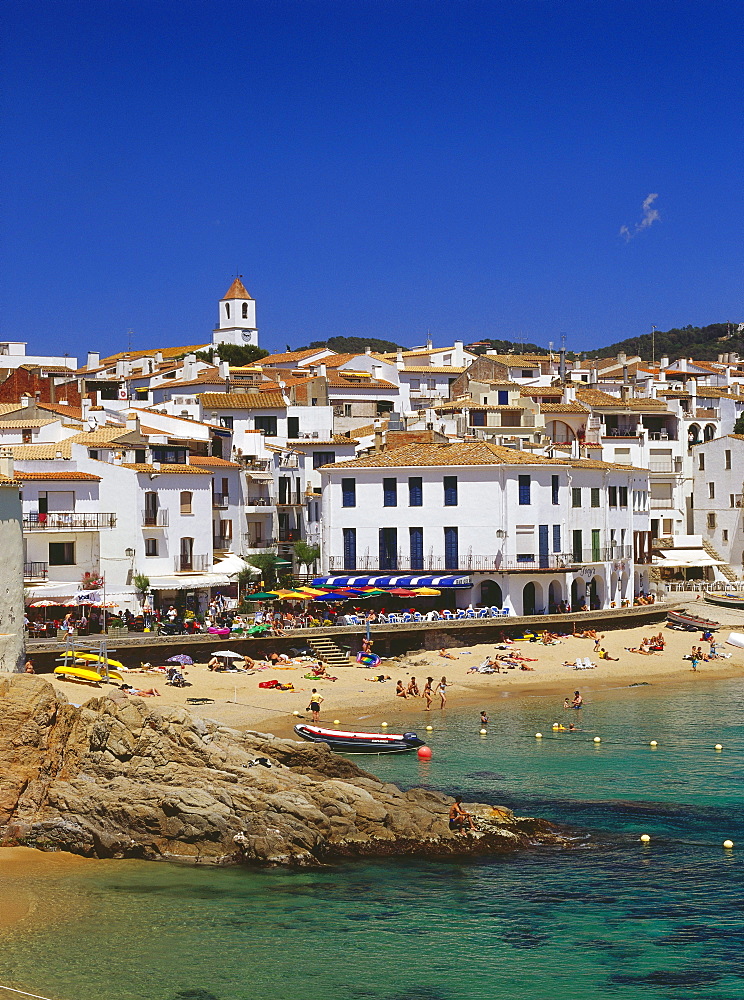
608, 919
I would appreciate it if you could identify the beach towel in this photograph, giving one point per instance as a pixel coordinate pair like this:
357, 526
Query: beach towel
269, 684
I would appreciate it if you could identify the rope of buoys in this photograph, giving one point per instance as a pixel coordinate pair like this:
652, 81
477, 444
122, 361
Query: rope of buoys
23, 993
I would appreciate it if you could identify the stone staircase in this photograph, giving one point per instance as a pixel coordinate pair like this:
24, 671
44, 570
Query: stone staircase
328, 651
725, 568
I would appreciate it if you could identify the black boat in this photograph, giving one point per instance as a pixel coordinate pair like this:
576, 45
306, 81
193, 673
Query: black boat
683, 619
347, 742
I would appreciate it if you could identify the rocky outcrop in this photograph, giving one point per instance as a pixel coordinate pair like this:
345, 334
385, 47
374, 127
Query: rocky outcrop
120, 778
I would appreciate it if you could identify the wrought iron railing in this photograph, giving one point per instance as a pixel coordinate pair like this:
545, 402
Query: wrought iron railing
68, 520
155, 518
35, 570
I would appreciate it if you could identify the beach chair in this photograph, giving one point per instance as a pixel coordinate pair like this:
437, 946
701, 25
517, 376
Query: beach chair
407, 617
470, 613
382, 618
460, 613
393, 619
482, 613
418, 617
495, 612
505, 612
447, 615
353, 620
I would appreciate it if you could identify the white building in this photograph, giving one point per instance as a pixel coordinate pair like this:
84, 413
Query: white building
523, 532
718, 498
237, 318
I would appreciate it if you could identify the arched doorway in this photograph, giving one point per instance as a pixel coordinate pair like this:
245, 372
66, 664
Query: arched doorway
595, 593
693, 434
614, 583
709, 433
528, 599
624, 595
491, 595
559, 432
578, 594
555, 596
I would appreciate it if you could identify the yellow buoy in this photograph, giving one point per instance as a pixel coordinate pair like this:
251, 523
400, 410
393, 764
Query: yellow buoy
728, 844
597, 739
429, 729
653, 743
538, 736
295, 712
483, 732
645, 839
336, 722
384, 725
718, 747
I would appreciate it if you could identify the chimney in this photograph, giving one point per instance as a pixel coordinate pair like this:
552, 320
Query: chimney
459, 353
378, 436
625, 374
429, 344
158, 357
25, 400
377, 372
322, 371
562, 365
663, 363
399, 361
569, 394
622, 358
625, 392
189, 368
94, 360
85, 407
133, 422
6, 463
593, 377
367, 349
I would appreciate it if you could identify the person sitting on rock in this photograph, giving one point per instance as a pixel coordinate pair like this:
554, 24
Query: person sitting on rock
458, 817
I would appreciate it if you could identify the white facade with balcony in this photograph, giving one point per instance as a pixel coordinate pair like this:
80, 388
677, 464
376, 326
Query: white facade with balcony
530, 533
718, 497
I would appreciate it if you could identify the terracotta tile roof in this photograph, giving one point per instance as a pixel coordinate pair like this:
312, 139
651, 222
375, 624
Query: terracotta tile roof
167, 352
242, 400
73, 412
597, 399
709, 392
435, 369
564, 408
106, 436
337, 439
41, 452
87, 476
16, 424
539, 390
519, 360
236, 291
289, 356
465, 454
347, 381
212, 461
10, 407
165, 469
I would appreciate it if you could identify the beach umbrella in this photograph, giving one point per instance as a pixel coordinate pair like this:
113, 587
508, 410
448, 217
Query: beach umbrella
335, 597
311, 591
260, 597
286, 595
427, 592
228, 654
183, 658
44, 605
402, 592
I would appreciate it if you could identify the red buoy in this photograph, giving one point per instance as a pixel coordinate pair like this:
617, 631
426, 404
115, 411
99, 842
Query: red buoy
424, 753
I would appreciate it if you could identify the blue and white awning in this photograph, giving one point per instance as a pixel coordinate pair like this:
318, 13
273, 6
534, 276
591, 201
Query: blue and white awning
392, 581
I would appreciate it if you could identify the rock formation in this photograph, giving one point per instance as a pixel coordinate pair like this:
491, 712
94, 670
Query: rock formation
120, 778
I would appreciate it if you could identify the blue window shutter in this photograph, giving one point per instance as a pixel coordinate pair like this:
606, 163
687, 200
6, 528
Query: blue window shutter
556, 538
390, 493
349, 548
524, 489
450, 491
451, 551
503, 397
415, 491
416, 536
348, 492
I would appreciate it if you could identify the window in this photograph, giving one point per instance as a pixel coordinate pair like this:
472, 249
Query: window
416, 545
226, 530
728, 459
93, 453
265, 424
323, 458
576, 496
140, 456
701, 462
612, 496
595, 496
388, 548
349, 548
226, 421
724, 535
347, 409
61, 553
576, 546
596, 551
554, 482
227, 310
711, 522
623, 493
415, 491
186, 499
524, 490
245, 310
711, 491
348, 492
450, 491
151, 546
503, 397
293, 427
528, 373
478, 418
451, 551
390, 493
27, 435
556, 538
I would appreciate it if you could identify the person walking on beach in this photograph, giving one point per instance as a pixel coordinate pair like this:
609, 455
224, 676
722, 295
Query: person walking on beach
442, 692
314, 706
428, 692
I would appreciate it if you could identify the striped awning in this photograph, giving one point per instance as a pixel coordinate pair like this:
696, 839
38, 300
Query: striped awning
392, 581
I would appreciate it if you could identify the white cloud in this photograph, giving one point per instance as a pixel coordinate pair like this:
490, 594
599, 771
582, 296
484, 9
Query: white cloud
650, 215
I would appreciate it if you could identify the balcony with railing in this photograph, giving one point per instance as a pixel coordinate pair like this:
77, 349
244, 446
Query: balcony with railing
289, 534
155, 518
35, 571
192, 563
68, 521
263, 501
220, 500
222, 543
661, 503
250, 543
527, 563
669, 466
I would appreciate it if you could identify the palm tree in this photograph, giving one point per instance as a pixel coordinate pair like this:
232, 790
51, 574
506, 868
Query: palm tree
305, 554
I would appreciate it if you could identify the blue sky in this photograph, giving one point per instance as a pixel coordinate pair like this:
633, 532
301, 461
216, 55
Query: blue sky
376, 169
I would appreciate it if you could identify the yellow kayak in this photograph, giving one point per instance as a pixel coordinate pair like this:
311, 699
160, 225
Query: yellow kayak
92, 658
82, 674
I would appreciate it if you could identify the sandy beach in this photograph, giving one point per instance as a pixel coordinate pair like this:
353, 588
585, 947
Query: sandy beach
357, 702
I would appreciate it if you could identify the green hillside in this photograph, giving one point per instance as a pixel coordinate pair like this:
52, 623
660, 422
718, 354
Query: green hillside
704, 343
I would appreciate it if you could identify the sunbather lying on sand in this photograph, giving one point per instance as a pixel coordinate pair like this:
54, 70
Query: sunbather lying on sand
448, 656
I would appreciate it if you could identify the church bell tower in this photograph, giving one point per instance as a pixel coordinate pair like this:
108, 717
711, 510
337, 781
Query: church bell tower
237, 317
